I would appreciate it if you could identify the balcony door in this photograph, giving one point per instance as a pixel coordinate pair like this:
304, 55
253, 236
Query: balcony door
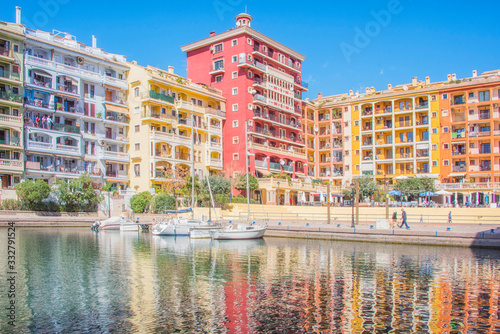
109, 133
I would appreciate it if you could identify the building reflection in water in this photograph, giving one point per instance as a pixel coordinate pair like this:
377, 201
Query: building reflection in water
74, 280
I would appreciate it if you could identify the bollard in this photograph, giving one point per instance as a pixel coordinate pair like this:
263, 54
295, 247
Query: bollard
448, 229
319, 229
230, 222
338, 225
354, 230
492, 231
371, 227
436, 233
279, 223
288, 227
253, 223
307, 224
392, 231
483, 235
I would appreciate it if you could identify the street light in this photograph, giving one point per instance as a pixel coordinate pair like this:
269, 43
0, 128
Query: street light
278, 194
352, 204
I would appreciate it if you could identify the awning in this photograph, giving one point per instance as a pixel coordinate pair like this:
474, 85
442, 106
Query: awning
65, 94
111, 86
458, 142
480, 175
457, 174
111, 107
264, 172
117, 180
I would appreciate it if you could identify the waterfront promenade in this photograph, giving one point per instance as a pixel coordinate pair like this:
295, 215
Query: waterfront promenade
470, 227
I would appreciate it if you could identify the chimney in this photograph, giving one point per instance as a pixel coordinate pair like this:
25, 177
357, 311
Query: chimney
389, 86
18, 15
474, 73
454, 76
414, 81
351, 93
94, 41
212, 33
320, 96
171, 69
134, 62
449, 77
367, 89
372, 89
427, 80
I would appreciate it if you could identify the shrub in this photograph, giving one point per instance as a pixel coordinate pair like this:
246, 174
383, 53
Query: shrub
32, 193
140, 202
11, 204
162, 202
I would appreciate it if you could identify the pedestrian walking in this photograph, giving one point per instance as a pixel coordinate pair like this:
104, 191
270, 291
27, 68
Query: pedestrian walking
422, 218
449, 217
403, 219
394, 218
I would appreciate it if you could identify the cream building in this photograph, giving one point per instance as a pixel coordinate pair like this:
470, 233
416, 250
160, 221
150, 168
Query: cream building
173, 123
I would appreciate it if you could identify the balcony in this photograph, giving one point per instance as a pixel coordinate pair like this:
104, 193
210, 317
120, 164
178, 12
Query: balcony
10, 142
5, 52
4, 74
158, 96
112, 81
171, 137
66, 128
10, 165
422, 105
182, 156
68, 89
288, 168
461, 168
260, 163
461, 134
11, 97
274, 165
216, 145
259, 97
217, 68
215, 162
114, 155
10, 120
78, 70
483, 133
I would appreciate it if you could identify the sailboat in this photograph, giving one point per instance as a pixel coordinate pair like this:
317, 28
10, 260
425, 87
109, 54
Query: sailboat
239, 231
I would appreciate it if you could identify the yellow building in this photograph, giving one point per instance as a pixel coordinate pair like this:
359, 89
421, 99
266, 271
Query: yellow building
11, 104
167, 112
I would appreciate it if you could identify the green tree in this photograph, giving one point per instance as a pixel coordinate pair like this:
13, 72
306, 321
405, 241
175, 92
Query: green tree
140, 202
162, 202
414, 186
32, 193
366, 188
218, 184
78, 194
241, 183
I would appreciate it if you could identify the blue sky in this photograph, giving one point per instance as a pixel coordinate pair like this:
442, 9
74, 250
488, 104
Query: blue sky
348, 45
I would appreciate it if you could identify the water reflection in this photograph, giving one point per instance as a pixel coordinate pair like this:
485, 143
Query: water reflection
72, 280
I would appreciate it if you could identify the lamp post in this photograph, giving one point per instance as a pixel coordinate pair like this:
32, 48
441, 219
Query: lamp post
278, 194
328, 200
386, 202
352, 204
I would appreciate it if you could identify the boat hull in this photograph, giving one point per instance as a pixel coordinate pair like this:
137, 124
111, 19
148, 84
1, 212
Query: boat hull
170, 229
129, 227
240, 233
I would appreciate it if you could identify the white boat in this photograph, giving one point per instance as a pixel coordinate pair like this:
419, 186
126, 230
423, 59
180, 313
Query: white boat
114, 223
203, 231
175, 226
129, 227
240, 232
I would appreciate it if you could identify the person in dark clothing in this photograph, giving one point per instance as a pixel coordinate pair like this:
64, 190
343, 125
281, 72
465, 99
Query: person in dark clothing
403, 219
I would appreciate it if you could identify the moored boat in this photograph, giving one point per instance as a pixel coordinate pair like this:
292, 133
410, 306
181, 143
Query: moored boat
240, 232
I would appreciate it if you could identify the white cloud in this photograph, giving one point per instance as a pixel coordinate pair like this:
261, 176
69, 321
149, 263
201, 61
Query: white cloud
381, 71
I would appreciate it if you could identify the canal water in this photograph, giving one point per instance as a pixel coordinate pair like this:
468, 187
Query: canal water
76, 281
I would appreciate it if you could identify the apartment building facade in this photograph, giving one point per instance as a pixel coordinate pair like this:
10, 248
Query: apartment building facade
175, 126
76, 113
11, 104
470, 128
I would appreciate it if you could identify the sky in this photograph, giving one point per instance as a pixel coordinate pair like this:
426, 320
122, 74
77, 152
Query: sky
348, 45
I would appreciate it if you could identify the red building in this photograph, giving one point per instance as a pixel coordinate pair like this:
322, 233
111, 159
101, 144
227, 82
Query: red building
262, 82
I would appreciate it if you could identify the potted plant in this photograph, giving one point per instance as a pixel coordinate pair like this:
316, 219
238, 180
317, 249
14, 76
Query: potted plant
98, 115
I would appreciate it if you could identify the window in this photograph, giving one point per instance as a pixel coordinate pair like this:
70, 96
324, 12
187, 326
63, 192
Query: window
236, 140
235, 107
446, 146
234, 42
356, 138
446, 162
236, 156
484, 96
434, 131
217, 79
120, 131
234, 75
234, 59
121, 167
250, 74
473, 162
433, 97
137, 110
137, 169
250, 106
471, 95
218, 65
434, 114
137, 128
357, 167
235, 91
434, 147
356, 123
357, 152
218, 48
444, 113
193, 101
250, 89
434, 163
200, 103
235, 124
249, 41
16, 48
445, 96
137, 146
136, 92
445, 129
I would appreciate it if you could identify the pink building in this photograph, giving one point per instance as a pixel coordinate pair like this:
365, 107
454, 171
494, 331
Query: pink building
262, 82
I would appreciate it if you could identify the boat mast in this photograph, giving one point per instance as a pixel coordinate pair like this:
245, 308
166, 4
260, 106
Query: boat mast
192, 168
246, 170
